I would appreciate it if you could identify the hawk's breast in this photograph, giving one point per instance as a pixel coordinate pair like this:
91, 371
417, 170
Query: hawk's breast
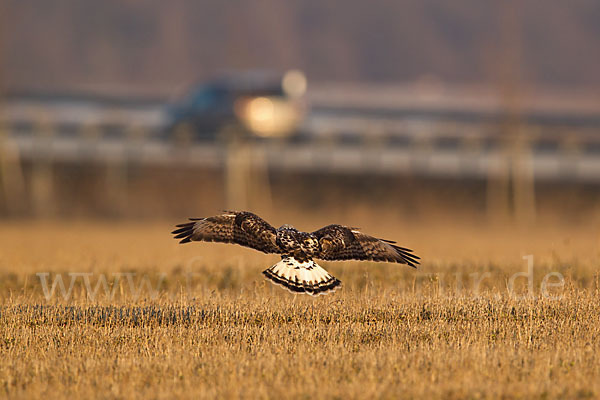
309, 244
286, 240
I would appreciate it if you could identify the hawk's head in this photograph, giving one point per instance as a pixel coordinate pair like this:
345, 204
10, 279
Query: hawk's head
287, 227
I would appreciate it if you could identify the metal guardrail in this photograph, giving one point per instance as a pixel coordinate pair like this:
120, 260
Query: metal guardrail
349, 144
116, 140
446, 156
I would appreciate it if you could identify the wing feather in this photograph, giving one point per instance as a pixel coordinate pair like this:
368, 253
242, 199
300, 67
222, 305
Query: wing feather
243, 228
339, 242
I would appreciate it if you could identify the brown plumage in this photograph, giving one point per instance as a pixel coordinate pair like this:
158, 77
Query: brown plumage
297, 271
342, 243
241, 228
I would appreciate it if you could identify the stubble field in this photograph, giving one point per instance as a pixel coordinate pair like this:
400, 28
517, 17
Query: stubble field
199, 320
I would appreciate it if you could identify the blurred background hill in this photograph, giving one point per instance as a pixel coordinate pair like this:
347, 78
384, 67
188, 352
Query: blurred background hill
152, 46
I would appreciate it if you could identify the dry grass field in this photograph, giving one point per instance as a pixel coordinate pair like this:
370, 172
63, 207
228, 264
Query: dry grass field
199, 320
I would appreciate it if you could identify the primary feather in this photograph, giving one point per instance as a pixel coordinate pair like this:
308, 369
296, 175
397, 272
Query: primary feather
243, 228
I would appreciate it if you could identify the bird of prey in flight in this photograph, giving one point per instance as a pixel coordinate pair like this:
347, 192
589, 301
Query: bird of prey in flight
297, 271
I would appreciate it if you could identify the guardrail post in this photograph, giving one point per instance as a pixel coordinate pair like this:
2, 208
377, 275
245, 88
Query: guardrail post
570, 146
237, 164
117, 164
246, 171
523, 178
116, 178
259, 184
374, 144
498, 184
42, 177
12, 183
422, 151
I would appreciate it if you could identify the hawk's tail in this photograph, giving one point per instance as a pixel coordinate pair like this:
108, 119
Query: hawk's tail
302, 277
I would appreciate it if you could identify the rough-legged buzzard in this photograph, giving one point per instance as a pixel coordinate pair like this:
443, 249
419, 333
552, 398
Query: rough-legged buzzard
296, 271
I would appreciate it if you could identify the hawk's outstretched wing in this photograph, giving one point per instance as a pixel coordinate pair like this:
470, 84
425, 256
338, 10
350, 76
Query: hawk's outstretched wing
340, 242
243, 228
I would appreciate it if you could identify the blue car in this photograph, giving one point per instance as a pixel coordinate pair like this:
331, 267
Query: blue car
248, 104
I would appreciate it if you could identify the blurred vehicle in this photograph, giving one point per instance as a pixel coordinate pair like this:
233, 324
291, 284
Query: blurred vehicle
260, 104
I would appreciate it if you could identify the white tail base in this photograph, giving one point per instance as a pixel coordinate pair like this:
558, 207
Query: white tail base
302, 277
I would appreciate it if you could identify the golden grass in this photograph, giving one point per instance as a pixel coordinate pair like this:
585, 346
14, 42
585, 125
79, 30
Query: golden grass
215, 328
